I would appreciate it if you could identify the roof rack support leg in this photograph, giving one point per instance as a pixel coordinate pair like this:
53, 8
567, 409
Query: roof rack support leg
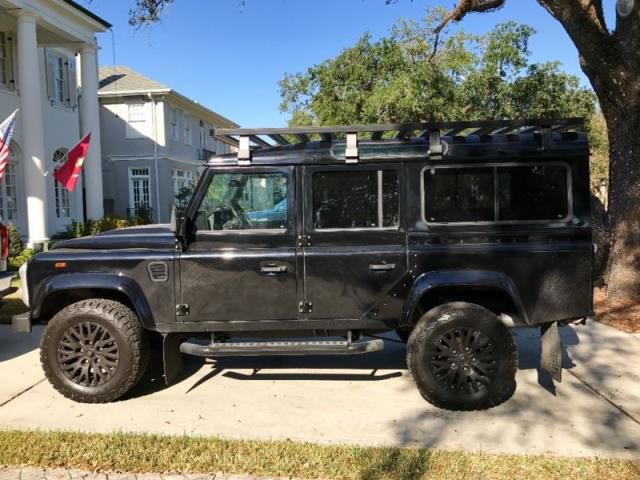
435, 145
351, 152
244, 151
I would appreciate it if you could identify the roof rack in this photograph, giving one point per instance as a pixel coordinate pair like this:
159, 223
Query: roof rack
248, 140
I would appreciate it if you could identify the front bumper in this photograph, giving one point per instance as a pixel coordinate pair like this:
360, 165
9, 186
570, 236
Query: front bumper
21, 323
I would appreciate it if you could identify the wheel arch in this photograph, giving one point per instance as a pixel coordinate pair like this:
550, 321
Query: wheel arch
492, 290
61, 290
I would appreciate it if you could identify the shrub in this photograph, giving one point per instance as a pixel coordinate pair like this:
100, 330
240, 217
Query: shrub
16, 261
16, 245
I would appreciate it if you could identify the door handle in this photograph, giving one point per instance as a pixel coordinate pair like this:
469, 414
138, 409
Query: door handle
382, 267
273, 268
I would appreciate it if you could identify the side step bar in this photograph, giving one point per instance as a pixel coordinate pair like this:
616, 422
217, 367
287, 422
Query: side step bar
251, 349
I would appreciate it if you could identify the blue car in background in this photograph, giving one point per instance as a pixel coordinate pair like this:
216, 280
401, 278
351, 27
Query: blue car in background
273, 217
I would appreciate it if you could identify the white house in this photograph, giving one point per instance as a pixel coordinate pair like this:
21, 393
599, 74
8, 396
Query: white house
48, 69
154, 140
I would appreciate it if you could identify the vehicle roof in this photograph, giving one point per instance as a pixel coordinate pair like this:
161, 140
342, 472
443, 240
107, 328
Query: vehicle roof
445, 141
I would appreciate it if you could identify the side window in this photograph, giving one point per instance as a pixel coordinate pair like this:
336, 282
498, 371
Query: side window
496, 194
459, 195
535, 192
355, 199
244, 201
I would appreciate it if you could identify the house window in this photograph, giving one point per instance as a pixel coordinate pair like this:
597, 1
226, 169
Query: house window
181, 179
174, 124
135, 112
139, 192
9, 193
203, 137
5, 60
59, 84
63, 209
187, 128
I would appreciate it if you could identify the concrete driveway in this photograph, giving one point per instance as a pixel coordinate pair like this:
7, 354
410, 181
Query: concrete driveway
368, 400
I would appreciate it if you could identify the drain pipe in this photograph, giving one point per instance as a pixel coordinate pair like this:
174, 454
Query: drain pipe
155, 156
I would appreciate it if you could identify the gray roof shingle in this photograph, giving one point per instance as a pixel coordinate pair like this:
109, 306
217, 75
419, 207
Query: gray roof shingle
119, 78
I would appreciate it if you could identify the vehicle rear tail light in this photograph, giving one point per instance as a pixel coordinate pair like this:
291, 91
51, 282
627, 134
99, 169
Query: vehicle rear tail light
4, 238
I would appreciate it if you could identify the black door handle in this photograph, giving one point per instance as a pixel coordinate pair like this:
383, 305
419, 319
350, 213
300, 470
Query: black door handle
382, 267
273, 268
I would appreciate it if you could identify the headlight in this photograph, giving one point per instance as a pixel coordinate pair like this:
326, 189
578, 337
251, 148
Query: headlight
24, 291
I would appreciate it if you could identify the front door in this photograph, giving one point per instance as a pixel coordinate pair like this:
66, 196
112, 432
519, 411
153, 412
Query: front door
241, 264
356, 252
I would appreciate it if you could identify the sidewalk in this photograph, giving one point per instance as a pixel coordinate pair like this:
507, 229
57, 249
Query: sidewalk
30, 473
365, 400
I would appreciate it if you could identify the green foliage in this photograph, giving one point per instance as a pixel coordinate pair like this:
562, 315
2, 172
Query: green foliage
16, 261
16, 245
92, 227
414, 75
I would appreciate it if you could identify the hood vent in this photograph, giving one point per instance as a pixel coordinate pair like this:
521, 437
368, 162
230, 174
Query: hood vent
158, 271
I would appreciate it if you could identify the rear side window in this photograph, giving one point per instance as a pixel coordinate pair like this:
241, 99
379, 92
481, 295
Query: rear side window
459, 195
496, 194
355, 199
535, 192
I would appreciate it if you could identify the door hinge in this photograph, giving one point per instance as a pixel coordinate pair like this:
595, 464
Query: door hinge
182, 310
305, 307
304, 240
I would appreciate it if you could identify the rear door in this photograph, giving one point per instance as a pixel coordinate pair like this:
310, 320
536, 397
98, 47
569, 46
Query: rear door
355, 250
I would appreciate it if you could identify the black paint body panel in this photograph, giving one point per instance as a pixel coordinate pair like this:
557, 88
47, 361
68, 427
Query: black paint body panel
544, 268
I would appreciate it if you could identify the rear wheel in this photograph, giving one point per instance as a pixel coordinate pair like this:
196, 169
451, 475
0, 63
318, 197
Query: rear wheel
94, 351
462, 357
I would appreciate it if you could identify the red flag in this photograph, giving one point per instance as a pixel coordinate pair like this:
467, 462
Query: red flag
68, 173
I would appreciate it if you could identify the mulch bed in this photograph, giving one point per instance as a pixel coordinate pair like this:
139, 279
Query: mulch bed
622, 315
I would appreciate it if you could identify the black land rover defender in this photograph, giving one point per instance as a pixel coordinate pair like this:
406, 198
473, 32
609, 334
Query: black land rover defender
450, 234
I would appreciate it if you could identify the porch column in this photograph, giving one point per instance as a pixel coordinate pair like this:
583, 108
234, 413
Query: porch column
32, 125
90, 122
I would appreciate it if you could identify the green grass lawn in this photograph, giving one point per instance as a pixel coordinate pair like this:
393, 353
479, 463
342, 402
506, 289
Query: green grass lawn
183, 454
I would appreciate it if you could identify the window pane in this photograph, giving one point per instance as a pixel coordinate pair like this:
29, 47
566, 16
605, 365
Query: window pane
239, 201
532, 193
459, 195
358, 199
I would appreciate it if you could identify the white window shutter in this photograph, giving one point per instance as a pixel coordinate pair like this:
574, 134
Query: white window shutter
11, 76
72, 84
49, 59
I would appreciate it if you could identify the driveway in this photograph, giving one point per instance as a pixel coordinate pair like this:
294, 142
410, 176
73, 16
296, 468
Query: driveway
368, 400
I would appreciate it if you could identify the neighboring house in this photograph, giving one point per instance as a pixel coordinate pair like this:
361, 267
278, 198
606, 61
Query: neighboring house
48, 69
154, 141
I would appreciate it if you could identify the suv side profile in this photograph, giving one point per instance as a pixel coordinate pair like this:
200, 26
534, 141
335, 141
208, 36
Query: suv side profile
450, 234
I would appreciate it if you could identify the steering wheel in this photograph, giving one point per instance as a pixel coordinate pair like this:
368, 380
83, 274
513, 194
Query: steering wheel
240, 214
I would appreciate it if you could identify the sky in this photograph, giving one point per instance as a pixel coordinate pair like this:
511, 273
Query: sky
230, 57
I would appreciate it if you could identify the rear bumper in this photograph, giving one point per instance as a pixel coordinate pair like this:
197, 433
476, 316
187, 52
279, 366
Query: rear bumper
21, 323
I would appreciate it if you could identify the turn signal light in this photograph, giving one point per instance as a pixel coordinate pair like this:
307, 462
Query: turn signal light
60, 265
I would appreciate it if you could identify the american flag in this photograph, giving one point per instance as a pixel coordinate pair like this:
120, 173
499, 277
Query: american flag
6, 132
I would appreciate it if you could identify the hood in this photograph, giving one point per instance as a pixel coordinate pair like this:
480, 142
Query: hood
144, 236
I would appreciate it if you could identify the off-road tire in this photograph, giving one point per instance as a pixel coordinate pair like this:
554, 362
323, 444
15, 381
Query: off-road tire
457, 323
124, 327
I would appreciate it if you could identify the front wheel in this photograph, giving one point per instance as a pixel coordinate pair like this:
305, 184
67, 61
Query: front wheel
94, 351
462, 357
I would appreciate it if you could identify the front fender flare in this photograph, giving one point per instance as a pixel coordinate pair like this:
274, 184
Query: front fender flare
459, 278
98, 281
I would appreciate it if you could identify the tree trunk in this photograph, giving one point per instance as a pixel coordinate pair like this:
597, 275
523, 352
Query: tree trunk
623, 123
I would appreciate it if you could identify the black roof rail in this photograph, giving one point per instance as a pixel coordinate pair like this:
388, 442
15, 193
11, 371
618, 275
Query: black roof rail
248, 140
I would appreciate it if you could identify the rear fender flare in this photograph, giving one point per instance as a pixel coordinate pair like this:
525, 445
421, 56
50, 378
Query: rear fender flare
429, 281
98, 281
